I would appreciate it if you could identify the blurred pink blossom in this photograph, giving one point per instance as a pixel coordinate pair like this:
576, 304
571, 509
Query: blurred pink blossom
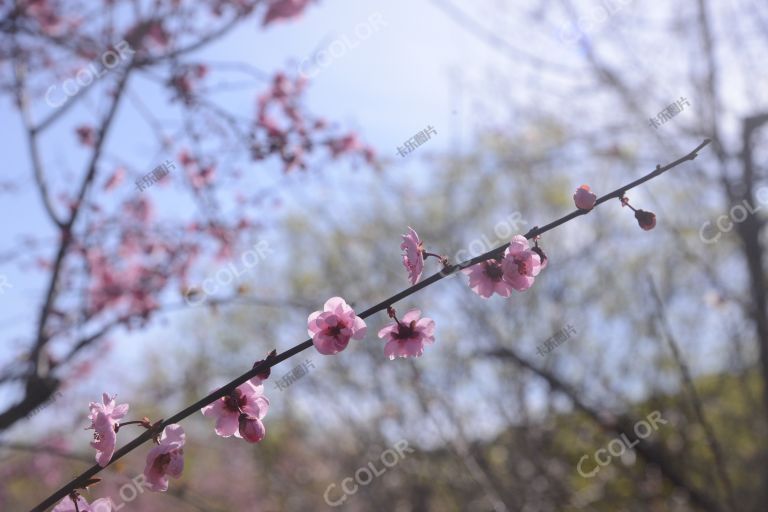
284, 10
115, 179
86, 135
346, 144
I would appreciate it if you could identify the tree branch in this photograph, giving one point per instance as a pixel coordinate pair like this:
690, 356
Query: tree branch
698, 408
265, 365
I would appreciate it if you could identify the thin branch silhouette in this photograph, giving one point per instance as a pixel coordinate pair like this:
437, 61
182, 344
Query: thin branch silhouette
263, 366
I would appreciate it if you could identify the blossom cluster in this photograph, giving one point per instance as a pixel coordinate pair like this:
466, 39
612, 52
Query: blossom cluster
165, 459
239, 413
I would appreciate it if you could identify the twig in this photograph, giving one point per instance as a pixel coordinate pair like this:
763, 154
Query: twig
698, 408
263, 366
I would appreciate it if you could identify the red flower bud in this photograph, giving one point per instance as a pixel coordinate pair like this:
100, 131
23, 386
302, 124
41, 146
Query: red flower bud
647, 220
251, 428
265, 374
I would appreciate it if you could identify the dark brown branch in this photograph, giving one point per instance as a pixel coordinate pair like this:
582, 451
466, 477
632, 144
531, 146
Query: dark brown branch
26, 116
262, 367
40, 384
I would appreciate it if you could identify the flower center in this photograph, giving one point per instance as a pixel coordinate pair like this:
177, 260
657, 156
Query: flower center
493, 270
405, 331
522, 265
335, 330
235, 401
161, 463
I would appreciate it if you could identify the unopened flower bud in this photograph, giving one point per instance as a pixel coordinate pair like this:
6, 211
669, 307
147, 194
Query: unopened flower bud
265, 374
584, 198
251, 428
647, 220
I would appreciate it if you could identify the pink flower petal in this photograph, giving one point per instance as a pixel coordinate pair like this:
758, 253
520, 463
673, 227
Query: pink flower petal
227, 425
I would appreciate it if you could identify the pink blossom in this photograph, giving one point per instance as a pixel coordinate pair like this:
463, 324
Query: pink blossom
104, 420
115, 179
68, 505
240, 413
166, 459
158, 33
413, 257
45, 14
86, 135
345, 144
486, 278
584, 198
284, 9
332, 328
406, 338
520, 264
